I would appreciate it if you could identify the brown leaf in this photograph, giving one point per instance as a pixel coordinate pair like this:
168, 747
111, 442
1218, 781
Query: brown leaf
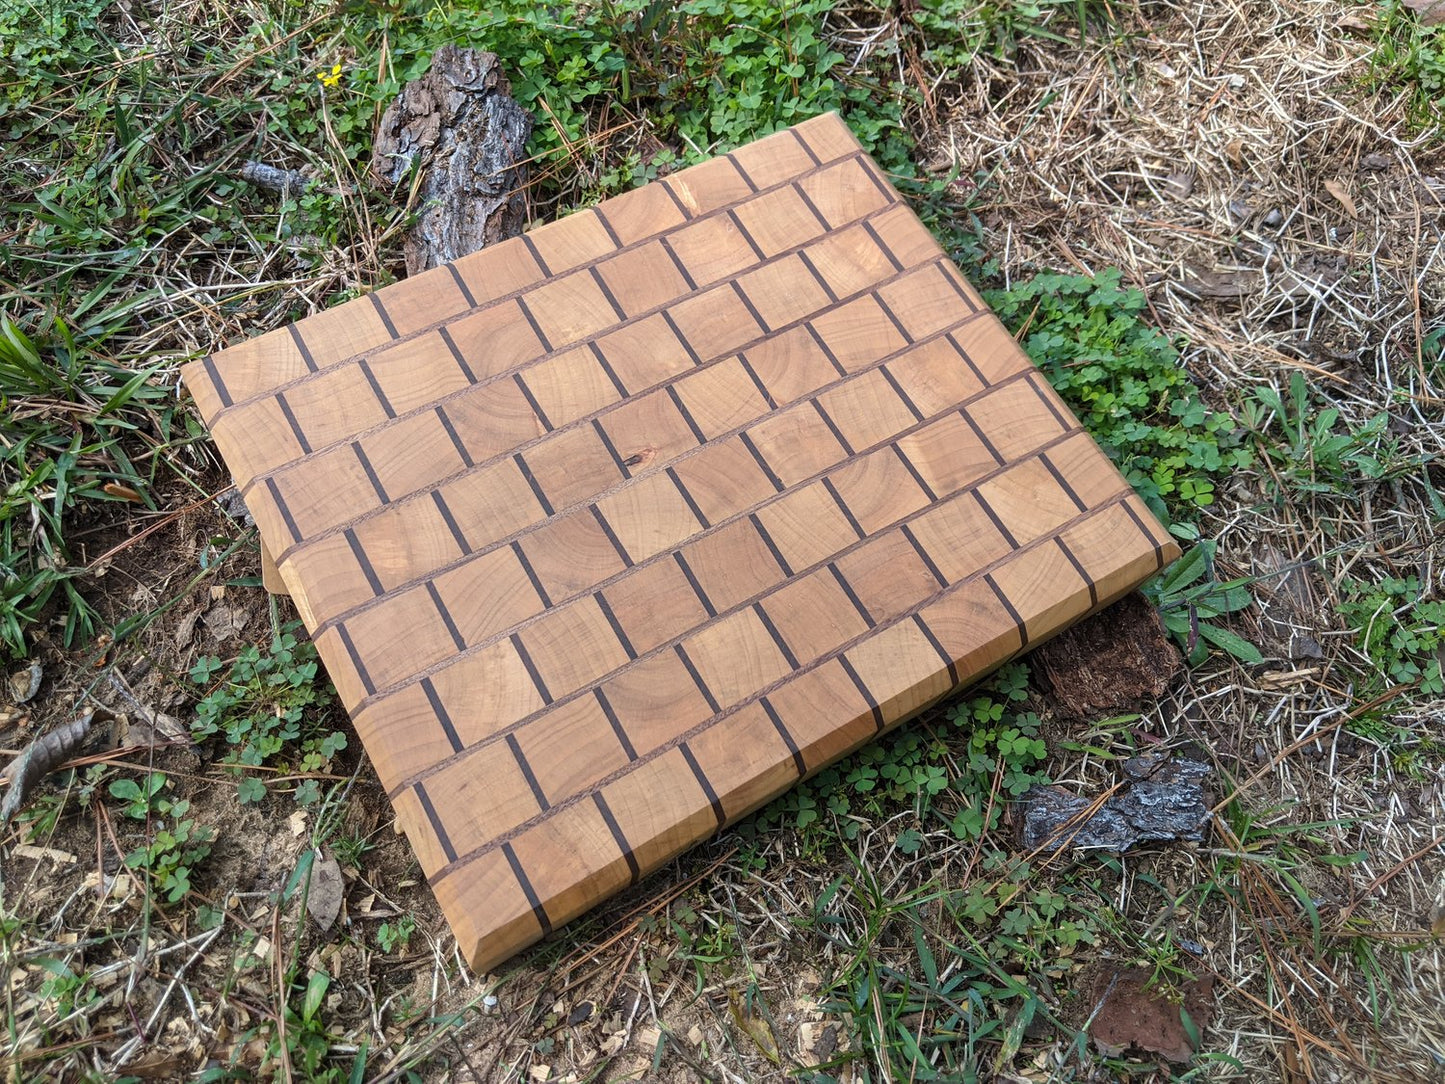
24, 684
1235, 150
1223, 285
125, 493
1437, 919
1431, 12
1341, 193
157, 1067
323, 896
754, 1027
39, 759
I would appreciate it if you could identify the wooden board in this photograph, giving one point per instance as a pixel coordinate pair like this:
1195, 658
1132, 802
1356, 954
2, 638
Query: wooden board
612, 532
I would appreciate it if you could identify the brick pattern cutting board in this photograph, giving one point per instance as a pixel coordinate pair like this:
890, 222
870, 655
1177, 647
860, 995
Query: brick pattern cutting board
612, 532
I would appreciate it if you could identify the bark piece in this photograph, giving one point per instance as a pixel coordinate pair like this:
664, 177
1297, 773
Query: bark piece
1110, 662
456, 125
1134, 1014
1163, 801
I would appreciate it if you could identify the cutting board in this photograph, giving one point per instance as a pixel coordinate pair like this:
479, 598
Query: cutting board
611, 533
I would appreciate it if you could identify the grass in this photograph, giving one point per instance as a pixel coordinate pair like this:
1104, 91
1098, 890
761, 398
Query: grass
884, 898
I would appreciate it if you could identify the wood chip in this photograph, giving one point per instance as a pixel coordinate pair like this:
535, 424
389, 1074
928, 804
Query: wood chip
28, 850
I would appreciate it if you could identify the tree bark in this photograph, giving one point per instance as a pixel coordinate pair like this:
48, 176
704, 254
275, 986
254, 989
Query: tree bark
459, 132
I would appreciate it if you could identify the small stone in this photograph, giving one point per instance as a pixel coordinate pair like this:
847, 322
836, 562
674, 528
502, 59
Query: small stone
1273, 220
581, 1013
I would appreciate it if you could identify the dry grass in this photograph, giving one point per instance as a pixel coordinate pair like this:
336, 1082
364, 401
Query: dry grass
1210, 145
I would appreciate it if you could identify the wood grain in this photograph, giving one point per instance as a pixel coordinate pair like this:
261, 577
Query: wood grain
637, 519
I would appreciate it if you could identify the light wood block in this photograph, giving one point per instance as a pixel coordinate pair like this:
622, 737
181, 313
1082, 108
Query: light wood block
609, 534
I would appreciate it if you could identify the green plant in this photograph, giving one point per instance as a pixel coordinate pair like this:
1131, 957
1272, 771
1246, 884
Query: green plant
1410, 56
71, 423
394, 937
1124, 380
175, 844
1189, 599
913, 766
1311, 451
952, 33
1005, 942
297, 1041
1399, 631
265, 704
65, 987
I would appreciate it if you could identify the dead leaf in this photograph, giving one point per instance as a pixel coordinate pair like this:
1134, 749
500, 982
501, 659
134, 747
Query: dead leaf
1338, 190
1437, 920
157, 1067
581, 1013
186, 626
152, 729
754, 1027
26, 850
1431, 12
24, 684
39, 759
323, 897
143, 727
1222, 285
1235, 151
125, 493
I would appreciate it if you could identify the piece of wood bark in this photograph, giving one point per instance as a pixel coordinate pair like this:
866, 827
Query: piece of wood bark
1110, 662
458, 127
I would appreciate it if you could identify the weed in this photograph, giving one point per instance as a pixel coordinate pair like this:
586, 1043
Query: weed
269, 703
1399, 631
952, 1022
1410, 56
395, 937
175, 843
69, 420
1189, 599
1311, 452
955, 32
1124, 380
914, 766
65, 988
296, 1041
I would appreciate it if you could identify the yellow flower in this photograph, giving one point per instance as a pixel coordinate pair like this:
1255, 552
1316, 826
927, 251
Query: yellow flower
330, 80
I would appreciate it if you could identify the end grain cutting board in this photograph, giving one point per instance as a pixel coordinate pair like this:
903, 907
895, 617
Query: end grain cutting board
612, 532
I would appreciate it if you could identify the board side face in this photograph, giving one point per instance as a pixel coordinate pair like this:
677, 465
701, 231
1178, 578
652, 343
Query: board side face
611, 533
